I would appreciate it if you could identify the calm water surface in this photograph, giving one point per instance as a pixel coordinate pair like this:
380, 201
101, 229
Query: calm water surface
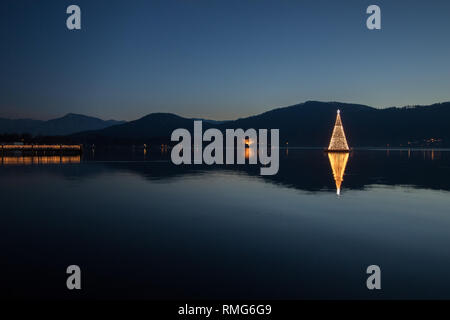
140, 227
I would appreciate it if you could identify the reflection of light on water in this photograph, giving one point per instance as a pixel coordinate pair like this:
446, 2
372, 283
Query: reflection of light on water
40, 160
338, 162
248, 153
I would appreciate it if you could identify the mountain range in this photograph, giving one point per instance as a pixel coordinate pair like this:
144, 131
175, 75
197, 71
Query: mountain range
68, 124
307, 124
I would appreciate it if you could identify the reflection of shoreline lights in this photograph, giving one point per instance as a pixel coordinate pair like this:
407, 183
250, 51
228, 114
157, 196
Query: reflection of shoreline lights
248, 142
165, 147
248, 153
338, 162
39, 160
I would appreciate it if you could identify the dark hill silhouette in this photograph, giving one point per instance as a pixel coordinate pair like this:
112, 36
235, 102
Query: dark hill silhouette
153, 127
68, 124
311, 124
307, 124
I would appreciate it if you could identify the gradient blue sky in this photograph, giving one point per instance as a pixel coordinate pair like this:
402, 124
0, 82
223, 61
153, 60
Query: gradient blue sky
218, 59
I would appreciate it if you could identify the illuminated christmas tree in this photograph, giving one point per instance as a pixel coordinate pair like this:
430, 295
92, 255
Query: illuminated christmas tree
338, 141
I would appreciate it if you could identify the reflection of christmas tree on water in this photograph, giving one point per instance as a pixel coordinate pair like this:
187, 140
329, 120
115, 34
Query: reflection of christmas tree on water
338, 141
338, 162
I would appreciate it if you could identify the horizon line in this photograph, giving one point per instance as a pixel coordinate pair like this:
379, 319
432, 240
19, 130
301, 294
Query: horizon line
209, 119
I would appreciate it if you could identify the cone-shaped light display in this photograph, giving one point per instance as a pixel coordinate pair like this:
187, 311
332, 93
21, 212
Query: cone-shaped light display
338, 141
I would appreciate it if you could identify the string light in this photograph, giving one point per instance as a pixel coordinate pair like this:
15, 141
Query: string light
338, 141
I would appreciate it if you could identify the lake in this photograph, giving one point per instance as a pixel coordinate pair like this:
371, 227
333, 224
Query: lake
140, 227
